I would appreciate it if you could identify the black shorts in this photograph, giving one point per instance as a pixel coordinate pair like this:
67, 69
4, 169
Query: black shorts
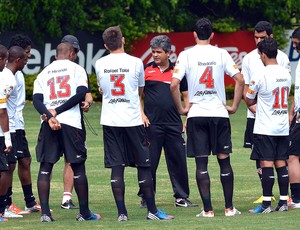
295, 140
21, 146
12, 156
270, 148
127, 146
3, 158
68, 140
248, 137
206, 135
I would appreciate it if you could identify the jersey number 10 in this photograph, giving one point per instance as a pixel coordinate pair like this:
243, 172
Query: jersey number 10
284, 98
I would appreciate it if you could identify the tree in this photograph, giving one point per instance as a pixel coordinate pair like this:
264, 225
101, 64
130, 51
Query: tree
44, 18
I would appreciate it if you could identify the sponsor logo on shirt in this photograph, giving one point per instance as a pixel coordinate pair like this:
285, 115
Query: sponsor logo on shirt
206, 92
57, 103
278, 112
118, 100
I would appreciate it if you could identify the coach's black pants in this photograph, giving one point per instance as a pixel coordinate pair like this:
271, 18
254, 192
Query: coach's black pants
170, 138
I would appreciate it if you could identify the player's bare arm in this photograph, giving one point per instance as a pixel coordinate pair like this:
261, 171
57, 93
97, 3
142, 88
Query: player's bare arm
145, 119
292, 112
253, 107
238, 93
174, 88
87, 103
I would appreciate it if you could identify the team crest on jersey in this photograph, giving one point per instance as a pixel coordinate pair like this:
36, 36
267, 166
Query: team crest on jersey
176, 70
235, 66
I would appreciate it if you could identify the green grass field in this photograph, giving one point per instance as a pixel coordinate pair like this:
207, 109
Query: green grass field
247, 189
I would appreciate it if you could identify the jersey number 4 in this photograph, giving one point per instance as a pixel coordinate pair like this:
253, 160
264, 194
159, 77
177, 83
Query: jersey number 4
206, 78
281, 102
64, 89
119, 87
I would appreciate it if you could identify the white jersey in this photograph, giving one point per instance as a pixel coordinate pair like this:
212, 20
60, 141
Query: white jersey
120, 76
297, 88
58, 83
12, 97
271, 87
204, 67
252, 64
5, 91
20, 86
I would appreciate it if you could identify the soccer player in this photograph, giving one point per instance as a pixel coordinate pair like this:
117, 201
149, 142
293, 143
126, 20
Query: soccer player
121, 80
20, 142
294, 151
251, 64
269, 90
208, 125
58, 91
163, 122
17, 59
67, 202
5, 139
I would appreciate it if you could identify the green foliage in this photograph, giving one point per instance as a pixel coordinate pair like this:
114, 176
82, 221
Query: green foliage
52, 18
29, 80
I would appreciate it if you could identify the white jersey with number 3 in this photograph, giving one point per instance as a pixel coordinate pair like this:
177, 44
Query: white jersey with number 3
58, 83
204, 67
120, 76
272, 87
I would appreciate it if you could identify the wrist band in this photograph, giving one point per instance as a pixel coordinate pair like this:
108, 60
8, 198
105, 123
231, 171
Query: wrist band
7, 139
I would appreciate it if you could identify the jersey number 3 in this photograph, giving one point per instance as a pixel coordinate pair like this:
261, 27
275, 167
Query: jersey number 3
206, 78
64, 88
119, 87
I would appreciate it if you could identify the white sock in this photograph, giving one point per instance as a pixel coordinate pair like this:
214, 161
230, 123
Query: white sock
66, 197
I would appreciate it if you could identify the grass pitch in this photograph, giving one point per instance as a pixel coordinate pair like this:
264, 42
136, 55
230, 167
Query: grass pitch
247, 189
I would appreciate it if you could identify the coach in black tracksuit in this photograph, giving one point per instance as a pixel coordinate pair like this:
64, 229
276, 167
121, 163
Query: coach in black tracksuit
163, 122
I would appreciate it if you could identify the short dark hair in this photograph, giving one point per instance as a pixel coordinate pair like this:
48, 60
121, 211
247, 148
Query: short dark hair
268, 46
20, 40
296, 33
112, 38
161, 41
203, 28
15, 52
262, 26
3, 51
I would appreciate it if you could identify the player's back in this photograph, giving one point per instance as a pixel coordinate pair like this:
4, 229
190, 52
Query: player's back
120, 76
58, 82
205, 66
272, 104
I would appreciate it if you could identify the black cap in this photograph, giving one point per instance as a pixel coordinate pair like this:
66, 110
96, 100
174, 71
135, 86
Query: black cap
72, 40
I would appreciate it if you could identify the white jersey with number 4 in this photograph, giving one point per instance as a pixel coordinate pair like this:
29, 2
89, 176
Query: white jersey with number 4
58, 83
252, 64
120, 76
272, 87
204, 67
